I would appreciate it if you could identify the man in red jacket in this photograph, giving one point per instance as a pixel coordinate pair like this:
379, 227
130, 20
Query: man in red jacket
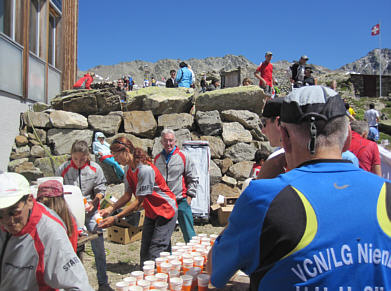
84, 82
365, 150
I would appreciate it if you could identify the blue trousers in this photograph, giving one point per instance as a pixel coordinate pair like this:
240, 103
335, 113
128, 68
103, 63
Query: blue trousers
185, 219
98, 248
117, 168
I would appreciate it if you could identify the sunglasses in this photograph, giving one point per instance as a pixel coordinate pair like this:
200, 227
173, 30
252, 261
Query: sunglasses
121, 143
13, 212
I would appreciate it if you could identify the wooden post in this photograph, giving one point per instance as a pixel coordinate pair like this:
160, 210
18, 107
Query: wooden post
70, 10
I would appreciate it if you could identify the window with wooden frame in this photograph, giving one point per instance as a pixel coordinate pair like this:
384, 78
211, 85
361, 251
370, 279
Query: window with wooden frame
54, 36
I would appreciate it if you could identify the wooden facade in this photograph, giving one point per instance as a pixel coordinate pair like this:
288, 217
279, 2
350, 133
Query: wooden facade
69, 40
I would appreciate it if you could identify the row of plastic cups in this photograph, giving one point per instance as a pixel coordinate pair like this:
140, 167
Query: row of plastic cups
185, 283
145, 285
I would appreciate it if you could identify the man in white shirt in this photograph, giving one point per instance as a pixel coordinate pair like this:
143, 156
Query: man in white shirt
372, 117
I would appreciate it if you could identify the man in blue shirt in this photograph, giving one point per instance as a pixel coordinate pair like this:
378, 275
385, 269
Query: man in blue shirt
324, 225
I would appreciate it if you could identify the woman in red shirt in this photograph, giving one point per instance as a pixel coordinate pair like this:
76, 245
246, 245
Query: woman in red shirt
51, 193
144, 181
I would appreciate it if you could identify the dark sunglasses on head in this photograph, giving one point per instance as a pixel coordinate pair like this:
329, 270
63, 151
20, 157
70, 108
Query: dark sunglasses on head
120, 142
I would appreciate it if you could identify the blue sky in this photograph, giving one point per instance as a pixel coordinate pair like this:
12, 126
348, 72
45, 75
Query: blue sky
332, 33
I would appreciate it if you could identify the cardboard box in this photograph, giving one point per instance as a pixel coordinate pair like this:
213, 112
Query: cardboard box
215, 207
223, 214
230, 200
135, 219
124, 235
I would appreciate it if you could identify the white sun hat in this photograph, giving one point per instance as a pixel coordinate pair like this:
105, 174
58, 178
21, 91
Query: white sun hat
13, 187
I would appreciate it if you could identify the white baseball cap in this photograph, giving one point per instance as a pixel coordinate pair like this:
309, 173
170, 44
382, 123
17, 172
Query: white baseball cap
13, 187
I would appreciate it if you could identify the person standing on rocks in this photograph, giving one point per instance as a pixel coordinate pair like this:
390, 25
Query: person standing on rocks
181, 176
89, 177
298, 72
184, 76
264, 73
372, 117
171, 82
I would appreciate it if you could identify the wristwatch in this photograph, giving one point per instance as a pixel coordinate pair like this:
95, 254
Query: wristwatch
116, 219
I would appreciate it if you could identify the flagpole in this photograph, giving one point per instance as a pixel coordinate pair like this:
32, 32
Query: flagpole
380, 91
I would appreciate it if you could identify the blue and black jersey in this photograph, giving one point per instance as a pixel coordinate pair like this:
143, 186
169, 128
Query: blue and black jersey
325, 225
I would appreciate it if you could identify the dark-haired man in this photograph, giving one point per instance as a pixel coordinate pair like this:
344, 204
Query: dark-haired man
171, 82
316, 225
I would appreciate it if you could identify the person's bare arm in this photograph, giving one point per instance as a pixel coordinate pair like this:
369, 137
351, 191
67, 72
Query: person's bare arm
121, 202
134, 205
376, 169
258, 76
273, 167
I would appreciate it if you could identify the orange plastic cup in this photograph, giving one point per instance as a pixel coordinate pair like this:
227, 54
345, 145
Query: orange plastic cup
203, 282
187, 281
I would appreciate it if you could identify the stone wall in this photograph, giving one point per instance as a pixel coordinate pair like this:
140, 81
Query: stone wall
219, 117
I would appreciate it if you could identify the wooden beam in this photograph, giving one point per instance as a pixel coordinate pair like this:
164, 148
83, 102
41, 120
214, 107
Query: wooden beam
26, 23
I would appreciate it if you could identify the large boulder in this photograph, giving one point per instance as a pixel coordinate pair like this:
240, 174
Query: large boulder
234, 132
108, 124
224, 164
140, 123
40, 138
84, 104
37, 119
143, 143
160, 100
214, 173
21, 140
28, 170
20, 152
209, 122
38, 151
49, 166
240, 152
62, 139
176, 121
12, 165
241, 171
108, 101
88, 101
64, 119
229, 181
216, 145
224, 190
248, 119
236, 98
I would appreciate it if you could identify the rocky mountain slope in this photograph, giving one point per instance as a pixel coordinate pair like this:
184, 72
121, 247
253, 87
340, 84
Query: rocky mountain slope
371, 62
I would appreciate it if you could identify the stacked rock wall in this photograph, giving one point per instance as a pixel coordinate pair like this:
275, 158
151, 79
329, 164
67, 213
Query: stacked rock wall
233, 132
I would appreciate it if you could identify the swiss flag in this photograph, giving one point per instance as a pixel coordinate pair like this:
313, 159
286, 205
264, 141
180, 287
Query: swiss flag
375, 29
